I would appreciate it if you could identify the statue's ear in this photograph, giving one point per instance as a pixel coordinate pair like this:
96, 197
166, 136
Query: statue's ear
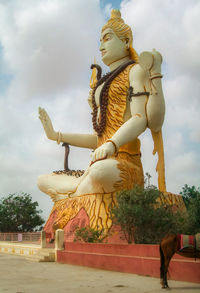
127, 44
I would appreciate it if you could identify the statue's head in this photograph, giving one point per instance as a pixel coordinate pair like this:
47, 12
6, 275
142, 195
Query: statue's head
116, 40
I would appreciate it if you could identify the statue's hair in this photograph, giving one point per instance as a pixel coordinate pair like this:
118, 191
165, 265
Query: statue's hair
122, 30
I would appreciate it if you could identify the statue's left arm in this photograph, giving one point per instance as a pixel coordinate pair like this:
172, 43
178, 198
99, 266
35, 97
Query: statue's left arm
155, 108
137, 123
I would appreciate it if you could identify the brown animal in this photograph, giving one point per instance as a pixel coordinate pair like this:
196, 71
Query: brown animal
184, 245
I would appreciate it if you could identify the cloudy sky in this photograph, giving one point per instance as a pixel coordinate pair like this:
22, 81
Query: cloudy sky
46, 48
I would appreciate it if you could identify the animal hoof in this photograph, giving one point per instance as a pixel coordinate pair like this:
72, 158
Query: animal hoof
166, 287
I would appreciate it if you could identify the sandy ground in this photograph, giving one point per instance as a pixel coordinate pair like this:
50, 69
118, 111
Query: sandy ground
19, 275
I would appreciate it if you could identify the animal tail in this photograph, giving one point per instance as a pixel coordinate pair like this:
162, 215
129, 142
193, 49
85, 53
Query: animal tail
162, 263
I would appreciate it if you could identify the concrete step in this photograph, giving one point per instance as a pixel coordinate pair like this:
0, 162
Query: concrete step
29, 251
43, 255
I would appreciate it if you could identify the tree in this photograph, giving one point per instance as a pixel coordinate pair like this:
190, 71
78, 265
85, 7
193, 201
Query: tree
142, 218
18, 213
188, 193
191, 197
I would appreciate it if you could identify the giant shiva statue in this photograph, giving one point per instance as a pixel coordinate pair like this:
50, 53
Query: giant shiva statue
123, 105
125, 102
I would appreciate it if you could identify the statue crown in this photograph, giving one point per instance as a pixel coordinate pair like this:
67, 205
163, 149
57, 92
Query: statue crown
115, 13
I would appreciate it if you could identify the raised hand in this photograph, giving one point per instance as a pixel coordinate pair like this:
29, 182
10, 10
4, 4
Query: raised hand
47, 124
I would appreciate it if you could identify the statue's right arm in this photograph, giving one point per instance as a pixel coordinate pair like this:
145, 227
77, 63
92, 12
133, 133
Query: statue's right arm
79, 140
88, 141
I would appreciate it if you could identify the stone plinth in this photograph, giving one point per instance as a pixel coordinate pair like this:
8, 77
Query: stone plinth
93, 210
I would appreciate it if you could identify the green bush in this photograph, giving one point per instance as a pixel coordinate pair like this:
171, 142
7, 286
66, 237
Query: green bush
191, 197
88, 234
143, 219
194, 215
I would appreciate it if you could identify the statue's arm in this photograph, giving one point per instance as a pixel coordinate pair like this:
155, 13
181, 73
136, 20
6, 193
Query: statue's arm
79, 140
155, 108
137, 123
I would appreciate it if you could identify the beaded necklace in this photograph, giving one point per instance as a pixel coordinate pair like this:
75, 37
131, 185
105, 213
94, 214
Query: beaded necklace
99, 126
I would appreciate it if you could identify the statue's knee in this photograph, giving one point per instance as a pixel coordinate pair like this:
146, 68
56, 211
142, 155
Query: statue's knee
97, 174
45, 186
41, 182
101, 172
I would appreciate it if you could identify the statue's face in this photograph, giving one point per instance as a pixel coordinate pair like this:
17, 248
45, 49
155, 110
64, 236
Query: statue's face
112, 48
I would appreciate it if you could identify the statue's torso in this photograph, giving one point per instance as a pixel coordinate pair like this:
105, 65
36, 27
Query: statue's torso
118, 110
127, 113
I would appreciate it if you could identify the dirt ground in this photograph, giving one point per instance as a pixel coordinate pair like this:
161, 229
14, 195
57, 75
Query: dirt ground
19, 275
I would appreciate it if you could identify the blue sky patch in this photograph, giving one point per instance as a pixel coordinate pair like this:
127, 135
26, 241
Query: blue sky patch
115, 3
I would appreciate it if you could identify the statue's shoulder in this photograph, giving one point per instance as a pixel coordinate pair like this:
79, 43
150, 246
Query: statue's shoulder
137, 74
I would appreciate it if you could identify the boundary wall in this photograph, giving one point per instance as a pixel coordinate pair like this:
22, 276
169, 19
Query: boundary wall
141, 259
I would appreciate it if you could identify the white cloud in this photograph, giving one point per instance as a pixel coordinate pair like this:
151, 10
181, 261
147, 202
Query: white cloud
181, 169
185, 163
108, 9
47, 43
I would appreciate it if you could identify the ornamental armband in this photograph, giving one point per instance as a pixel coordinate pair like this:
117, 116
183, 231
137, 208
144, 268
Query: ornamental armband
132, 94
156, 75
